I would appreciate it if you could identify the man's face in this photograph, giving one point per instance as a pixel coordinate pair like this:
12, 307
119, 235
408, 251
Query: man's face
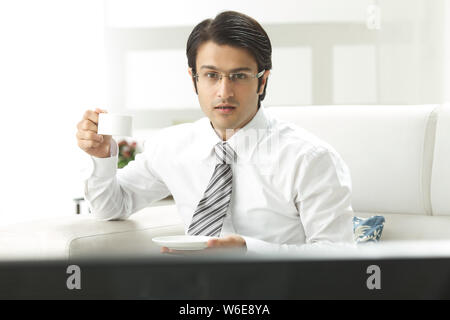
225, 59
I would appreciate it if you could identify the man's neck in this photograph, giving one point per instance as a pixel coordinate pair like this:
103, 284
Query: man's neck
225, 134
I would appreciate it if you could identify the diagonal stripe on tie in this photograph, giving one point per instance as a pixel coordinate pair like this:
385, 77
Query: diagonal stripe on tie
224, 153
220, 172
201, 228
217, 217
222, 184
218, 185
212, 208
211, 225
215, 209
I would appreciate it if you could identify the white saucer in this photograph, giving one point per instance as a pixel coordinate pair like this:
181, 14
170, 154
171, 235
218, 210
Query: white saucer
183, 242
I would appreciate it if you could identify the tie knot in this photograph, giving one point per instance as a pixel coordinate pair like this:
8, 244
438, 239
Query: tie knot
224, 153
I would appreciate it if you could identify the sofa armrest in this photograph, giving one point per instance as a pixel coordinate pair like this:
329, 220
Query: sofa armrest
78, 237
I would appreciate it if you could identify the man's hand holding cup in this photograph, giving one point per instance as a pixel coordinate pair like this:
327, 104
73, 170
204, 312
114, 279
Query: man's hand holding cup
89, 140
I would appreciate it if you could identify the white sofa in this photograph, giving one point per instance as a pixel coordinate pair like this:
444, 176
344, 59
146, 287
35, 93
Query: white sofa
399, 158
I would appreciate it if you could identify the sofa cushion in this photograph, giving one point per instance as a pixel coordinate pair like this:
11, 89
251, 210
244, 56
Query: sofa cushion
412, 227
440, 181
385, 147
83, 236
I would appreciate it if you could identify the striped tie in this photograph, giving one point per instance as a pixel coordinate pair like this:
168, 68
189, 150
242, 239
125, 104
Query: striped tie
212, 208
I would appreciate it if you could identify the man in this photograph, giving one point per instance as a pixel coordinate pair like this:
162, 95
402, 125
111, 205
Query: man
249, 180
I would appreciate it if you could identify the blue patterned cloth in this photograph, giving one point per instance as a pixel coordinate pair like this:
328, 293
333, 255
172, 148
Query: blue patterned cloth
368, 229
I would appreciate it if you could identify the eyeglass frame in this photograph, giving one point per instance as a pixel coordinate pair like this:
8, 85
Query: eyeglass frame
254, 76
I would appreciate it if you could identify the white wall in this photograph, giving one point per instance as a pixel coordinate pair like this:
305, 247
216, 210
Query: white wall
326, 43
170, 13
446, 37
410, 49
51, 70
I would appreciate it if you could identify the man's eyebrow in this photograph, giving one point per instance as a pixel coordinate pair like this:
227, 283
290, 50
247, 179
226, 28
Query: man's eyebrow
232, 70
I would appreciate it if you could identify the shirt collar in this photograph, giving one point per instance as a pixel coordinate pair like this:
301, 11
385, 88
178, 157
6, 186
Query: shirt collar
243, 141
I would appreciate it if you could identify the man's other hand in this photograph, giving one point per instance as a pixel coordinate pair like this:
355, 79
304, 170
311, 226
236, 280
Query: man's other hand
232, 242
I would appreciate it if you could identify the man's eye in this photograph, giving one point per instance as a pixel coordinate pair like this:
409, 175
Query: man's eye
239, 76
212, 75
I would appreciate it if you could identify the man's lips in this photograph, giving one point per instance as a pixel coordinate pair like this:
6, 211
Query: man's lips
225, 109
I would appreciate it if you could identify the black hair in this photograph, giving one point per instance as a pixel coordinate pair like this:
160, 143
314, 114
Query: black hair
237, 30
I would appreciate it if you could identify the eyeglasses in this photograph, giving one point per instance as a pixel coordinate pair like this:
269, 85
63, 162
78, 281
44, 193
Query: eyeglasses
211, 78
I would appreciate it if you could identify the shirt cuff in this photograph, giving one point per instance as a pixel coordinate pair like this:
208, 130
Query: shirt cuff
113, 148
106, 167
256, 246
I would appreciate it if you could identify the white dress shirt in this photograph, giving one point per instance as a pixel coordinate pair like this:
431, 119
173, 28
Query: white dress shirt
289, 187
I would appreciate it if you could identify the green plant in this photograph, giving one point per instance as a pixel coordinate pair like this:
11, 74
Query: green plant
127, 152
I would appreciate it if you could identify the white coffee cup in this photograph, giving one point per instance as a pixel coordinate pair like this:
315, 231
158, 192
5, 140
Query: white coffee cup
115, 124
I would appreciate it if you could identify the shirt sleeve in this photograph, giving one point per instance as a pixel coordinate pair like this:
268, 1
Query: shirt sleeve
323, 199
258, 246
115, 194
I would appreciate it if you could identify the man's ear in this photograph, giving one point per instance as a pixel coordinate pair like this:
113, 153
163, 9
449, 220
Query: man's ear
264, 78
193, 80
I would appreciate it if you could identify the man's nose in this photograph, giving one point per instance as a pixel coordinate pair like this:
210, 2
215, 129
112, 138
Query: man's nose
225, 88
